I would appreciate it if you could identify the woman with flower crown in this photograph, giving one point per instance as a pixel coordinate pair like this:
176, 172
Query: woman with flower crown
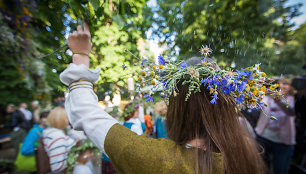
204, 135
131, 118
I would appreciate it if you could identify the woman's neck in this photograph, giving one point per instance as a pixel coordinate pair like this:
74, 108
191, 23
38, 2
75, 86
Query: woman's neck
198, 143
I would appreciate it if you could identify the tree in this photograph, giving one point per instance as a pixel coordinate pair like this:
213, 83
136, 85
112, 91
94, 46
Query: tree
29, 30
300, 34
34, 50
115, 34
238, 31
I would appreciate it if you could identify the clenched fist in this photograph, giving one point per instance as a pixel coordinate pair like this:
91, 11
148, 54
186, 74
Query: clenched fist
79, 43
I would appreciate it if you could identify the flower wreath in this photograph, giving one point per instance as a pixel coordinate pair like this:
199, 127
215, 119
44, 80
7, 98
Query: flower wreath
247, 86
75, 150
131, 108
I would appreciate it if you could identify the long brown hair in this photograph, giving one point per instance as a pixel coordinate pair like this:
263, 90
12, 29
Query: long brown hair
218, 125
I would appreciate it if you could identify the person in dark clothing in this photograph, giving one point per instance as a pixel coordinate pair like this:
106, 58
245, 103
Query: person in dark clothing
299, 163
20, 125
252, 116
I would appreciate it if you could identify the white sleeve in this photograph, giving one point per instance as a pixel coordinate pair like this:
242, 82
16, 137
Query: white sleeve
81, 104
138, 130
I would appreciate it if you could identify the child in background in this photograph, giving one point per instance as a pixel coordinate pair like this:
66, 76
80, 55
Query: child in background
131, 118
160, 110
84, 164
29, 143
148, 123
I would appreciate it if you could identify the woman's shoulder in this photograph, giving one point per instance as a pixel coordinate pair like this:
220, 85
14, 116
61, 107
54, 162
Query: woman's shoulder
53, 132
120, 139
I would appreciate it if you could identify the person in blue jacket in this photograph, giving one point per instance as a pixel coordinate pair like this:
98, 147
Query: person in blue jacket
30, 141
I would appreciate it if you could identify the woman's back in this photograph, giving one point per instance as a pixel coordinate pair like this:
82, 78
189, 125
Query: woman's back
130, 153
57, 146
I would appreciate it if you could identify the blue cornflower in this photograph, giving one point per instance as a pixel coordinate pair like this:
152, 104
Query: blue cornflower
233, 87
205, 81
184, 66
210, 86
224, 81
143, 61
242, 86
214, 100
149, 98
161, 60
226, 89
241, 73
239, 100
216, 81
123, 66
250, 76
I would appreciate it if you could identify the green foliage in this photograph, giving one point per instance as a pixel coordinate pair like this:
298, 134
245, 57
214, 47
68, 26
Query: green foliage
31, 31
300, 35
237, 31
243, 31
116, 33
290, 59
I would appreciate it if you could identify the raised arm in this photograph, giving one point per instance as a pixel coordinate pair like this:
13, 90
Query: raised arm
80, 45
81, 104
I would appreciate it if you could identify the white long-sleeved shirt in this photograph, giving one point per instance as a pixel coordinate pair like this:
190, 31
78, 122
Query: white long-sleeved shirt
81, 104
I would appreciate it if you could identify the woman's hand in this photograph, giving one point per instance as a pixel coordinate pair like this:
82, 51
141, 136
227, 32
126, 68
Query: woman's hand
80, 44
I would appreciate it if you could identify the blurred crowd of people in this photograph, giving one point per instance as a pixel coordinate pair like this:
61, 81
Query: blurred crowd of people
52, 130
280, 140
